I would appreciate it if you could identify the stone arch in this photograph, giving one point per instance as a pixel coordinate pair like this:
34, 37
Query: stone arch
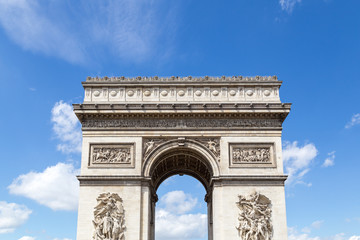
181, 156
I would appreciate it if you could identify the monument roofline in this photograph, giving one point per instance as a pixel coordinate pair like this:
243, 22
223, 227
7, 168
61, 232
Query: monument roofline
182, 80
189, 89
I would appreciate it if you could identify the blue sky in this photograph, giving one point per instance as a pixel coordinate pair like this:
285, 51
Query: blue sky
48, 47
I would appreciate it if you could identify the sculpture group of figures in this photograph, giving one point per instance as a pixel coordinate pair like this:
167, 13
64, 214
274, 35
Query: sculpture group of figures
250, 155
109, 218
254, 217
111, 155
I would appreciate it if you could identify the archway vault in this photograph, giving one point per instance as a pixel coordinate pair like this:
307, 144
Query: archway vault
181, 156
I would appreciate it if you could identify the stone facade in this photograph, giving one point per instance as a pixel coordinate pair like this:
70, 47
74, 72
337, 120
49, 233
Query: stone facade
224, 131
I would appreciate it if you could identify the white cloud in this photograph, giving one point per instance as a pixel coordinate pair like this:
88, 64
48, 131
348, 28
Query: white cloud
339, 236
27, 238
178, 202
355, 120
330, 160
293, 234
56, 187
174, 222
66, 127
288, 5
131, 30
180, 227
12, 215
62, 239
297, 160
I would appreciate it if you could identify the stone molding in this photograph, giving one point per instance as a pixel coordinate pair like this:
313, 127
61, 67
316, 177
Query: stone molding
205, 106
216, 181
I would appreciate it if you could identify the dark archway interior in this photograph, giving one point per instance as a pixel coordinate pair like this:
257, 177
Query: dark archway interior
181, 161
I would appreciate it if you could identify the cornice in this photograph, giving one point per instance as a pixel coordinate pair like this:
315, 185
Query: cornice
207, 106
247, 180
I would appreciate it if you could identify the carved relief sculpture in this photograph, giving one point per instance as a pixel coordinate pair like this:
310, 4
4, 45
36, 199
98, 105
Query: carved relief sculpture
109, 218
251, 155
151, 144
254, 217
213, 144
121, 155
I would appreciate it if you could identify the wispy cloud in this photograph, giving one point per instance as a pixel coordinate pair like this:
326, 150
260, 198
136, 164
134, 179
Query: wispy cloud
66, 127
173, 220
330, 160
355, 120
297, 160
27, 238
39, 186
288, 5
305, 234
28, 25
12, 215
132, 30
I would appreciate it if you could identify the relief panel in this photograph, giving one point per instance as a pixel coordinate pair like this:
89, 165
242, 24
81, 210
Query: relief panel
112, 155
109, 218
252, 155
254, 217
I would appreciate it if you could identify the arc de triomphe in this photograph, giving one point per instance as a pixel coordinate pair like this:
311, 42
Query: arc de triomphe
223, 131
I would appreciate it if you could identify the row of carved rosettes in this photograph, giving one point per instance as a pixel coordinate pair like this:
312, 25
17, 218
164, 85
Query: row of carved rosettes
211, 143
180, 123
254, 217
109, 218
181, 94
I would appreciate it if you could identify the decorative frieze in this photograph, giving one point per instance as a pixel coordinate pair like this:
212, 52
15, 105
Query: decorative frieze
181, 124
254, 217
109, 218
104, 155
252, 155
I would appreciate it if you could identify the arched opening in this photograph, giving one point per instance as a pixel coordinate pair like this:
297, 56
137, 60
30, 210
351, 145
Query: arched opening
181, 212
181, 160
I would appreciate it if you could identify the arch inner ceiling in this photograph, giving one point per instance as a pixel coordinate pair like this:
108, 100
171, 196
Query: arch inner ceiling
181, 161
